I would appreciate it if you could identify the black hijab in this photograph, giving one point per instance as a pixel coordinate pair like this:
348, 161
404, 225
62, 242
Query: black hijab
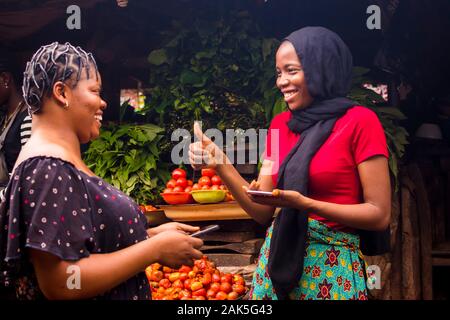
327, 65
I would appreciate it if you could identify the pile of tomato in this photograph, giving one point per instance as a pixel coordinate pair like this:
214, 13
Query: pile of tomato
209, 180
179, 182
203, 281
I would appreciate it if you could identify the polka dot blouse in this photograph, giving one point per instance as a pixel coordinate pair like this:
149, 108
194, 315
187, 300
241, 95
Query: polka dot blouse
53, 207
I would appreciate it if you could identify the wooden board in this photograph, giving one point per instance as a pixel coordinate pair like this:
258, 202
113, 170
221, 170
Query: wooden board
249, 247
204, 212
219, 236
230, 259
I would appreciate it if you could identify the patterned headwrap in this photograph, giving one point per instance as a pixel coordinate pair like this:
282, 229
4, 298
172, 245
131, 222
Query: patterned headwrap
50, 64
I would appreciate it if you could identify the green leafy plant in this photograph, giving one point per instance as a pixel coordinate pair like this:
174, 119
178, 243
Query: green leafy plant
127, 156
213, 66
396, 136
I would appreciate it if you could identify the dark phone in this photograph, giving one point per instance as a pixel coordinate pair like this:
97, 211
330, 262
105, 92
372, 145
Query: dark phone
205, 230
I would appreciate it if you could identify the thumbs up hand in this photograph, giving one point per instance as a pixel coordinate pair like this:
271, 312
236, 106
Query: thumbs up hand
204, 153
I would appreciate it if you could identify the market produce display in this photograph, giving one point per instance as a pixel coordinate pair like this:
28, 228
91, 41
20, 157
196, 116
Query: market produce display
179, 188
201, 282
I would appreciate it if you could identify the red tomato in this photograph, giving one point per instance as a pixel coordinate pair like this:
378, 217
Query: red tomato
215, 187
226, 278
172, 183
216, 180
190, 183
211, 294
215, 277
206, 279
208, 172
195, 186
225, 287
167, 270
156, 276
183, 276
229, 197
178, 173
168, 190
185, 294
238, 288
215, 286
221, 295
197, 285
182, 182
205, 187
199, 298
204, 181
174, 276
148, 273
199, 293
187, 284
178, 189
188, 189
165, 283
223, 187
178, 284
232, 296
185, 269
237, 279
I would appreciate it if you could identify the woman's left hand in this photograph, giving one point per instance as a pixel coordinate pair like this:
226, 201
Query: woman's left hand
280, 198
180, 227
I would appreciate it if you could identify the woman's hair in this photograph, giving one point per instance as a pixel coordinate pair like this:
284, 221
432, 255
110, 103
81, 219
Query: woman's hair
50, 64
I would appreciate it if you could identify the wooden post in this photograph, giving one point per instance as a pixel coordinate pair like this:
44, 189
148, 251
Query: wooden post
424, 219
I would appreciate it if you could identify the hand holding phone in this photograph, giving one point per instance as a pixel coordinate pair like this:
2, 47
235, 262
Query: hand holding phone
205, 230
258, 193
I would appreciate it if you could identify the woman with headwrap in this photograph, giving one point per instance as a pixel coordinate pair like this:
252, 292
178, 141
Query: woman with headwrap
327, 158
65, 232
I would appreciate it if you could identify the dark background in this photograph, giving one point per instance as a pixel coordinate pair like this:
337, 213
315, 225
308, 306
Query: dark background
413, 45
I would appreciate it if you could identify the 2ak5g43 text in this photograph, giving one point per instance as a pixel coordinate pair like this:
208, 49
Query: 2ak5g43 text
245, 309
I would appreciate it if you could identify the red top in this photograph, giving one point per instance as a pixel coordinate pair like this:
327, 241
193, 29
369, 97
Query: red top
333, 174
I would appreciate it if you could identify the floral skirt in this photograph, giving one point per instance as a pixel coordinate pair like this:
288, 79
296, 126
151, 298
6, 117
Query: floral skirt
333, 269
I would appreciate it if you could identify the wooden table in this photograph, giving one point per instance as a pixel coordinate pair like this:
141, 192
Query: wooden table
236, 244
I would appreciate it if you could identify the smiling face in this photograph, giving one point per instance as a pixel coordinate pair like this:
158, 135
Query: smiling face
291, 78
86, 106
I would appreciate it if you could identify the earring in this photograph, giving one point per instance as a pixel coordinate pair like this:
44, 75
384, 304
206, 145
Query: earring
66, 105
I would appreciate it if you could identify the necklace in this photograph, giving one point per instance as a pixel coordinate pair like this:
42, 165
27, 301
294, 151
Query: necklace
8, 118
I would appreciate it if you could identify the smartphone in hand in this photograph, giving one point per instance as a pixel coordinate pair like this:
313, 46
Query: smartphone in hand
267, 194
205, 230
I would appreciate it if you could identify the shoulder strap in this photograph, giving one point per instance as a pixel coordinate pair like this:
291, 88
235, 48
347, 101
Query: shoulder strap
11, 121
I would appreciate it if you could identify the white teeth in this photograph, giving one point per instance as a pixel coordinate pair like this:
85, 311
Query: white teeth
289, 94
98, 117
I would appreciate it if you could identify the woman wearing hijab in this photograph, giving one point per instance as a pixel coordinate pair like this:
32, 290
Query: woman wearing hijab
327, 158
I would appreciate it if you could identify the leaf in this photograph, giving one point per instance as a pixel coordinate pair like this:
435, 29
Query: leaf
279, 107
189, 77
157, 57
395, 113
266, 48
